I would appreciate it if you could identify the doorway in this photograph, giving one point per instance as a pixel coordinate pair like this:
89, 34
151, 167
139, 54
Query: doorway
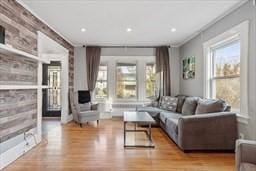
52, 95
53, 109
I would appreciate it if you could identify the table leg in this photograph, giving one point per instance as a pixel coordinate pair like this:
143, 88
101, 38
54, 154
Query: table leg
124, 134
150, 138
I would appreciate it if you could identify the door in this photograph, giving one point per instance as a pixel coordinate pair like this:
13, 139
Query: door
52, 95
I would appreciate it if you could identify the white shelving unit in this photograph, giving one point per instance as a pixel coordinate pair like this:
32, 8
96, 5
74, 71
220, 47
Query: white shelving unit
21, 87
10, 51
13, 153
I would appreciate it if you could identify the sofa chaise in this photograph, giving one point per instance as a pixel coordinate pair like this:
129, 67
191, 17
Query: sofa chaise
194, 123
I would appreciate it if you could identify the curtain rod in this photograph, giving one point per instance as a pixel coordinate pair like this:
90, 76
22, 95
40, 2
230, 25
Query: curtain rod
129, 46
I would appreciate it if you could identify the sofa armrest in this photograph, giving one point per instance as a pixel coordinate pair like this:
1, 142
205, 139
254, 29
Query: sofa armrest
245, 152
213, 131
95, 106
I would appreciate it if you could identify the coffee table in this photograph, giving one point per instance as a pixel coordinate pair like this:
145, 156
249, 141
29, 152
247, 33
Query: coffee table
138, 118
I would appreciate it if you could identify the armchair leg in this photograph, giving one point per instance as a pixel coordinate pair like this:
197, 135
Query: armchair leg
81, 125
98, 122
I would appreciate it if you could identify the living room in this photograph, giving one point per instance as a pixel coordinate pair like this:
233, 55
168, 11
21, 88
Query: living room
128, 85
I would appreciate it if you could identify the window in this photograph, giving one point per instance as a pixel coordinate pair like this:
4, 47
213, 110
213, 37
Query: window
226, 69
225, 80
101, 89
126, 80
150, 79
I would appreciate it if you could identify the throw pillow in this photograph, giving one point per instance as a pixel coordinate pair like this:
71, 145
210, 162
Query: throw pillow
169, 103
189, 106
181, 100
210, 106
85, 106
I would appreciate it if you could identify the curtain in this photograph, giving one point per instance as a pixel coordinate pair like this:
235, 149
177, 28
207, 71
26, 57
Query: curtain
163, 70
92, 65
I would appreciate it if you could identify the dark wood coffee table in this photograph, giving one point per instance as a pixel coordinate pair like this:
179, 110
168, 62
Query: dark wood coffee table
139, 118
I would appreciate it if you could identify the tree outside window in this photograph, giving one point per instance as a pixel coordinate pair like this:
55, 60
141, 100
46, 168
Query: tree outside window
150, 80
225, 81
101, 88
126, 84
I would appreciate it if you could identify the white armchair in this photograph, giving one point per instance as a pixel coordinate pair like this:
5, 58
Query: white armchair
245, 155
83, 116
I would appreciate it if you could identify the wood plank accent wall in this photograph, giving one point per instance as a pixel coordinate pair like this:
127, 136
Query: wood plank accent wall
18, 108
21, 31
17, 71
18, 112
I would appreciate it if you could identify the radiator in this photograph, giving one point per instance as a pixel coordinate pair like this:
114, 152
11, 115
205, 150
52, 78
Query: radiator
119, 108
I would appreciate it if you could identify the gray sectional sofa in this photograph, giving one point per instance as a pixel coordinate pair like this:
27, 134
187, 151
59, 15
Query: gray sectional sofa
194, 123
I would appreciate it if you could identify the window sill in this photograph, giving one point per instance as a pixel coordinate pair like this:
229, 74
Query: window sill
242, 119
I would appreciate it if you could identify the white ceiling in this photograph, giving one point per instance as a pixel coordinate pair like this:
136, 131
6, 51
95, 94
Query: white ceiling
106, 21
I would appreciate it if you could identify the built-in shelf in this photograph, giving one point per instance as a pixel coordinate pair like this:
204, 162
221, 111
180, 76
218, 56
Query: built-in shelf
8, 50
21, 87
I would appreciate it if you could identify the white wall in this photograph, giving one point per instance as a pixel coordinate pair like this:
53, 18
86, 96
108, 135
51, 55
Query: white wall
127, 51
194, 47
175, 70
80, 77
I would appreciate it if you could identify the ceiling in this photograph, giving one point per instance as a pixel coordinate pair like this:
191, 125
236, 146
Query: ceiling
106, 21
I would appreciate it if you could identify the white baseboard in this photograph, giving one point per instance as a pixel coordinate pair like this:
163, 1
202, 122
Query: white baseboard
17, 151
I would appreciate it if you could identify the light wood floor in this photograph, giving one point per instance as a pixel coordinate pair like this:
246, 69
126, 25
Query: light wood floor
93, 148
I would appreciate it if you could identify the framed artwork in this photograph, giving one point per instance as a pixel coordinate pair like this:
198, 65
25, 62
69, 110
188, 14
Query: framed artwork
188, 65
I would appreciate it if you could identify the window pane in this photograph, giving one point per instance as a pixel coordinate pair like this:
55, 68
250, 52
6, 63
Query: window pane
126, 80
229, 90
227, 60
150, 80
126, 71
126, 89
101, 89
103, 71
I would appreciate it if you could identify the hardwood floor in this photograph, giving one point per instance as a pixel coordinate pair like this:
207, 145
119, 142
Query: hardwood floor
93, 148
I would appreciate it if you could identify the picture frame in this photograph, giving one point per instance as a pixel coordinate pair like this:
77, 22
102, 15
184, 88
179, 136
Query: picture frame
188, 65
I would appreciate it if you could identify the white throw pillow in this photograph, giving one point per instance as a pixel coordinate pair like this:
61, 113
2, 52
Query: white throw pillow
85, 106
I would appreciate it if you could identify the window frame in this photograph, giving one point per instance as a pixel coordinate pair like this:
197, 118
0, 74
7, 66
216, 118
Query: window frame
213, 78
116, 80
107, 81
241, 31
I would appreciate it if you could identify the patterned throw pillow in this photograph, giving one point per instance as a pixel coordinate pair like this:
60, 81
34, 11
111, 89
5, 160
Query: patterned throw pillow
169, 103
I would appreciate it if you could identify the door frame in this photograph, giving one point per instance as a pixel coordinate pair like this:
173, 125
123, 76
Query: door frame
50, 50
46, 112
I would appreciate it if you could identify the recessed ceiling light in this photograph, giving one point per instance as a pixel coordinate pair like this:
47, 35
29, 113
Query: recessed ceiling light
83, 29
128, 29
173, 29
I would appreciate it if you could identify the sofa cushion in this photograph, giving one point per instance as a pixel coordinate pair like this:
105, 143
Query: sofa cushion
172, 123
210, 106
164, 115
189, 106
168, 103
247, 167
153, 111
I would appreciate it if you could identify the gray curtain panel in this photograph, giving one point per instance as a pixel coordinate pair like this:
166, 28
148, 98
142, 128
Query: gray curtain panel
92, 62
163, 68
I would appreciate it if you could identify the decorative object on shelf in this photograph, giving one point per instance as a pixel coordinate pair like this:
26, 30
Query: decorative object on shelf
2, 35
188, 65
